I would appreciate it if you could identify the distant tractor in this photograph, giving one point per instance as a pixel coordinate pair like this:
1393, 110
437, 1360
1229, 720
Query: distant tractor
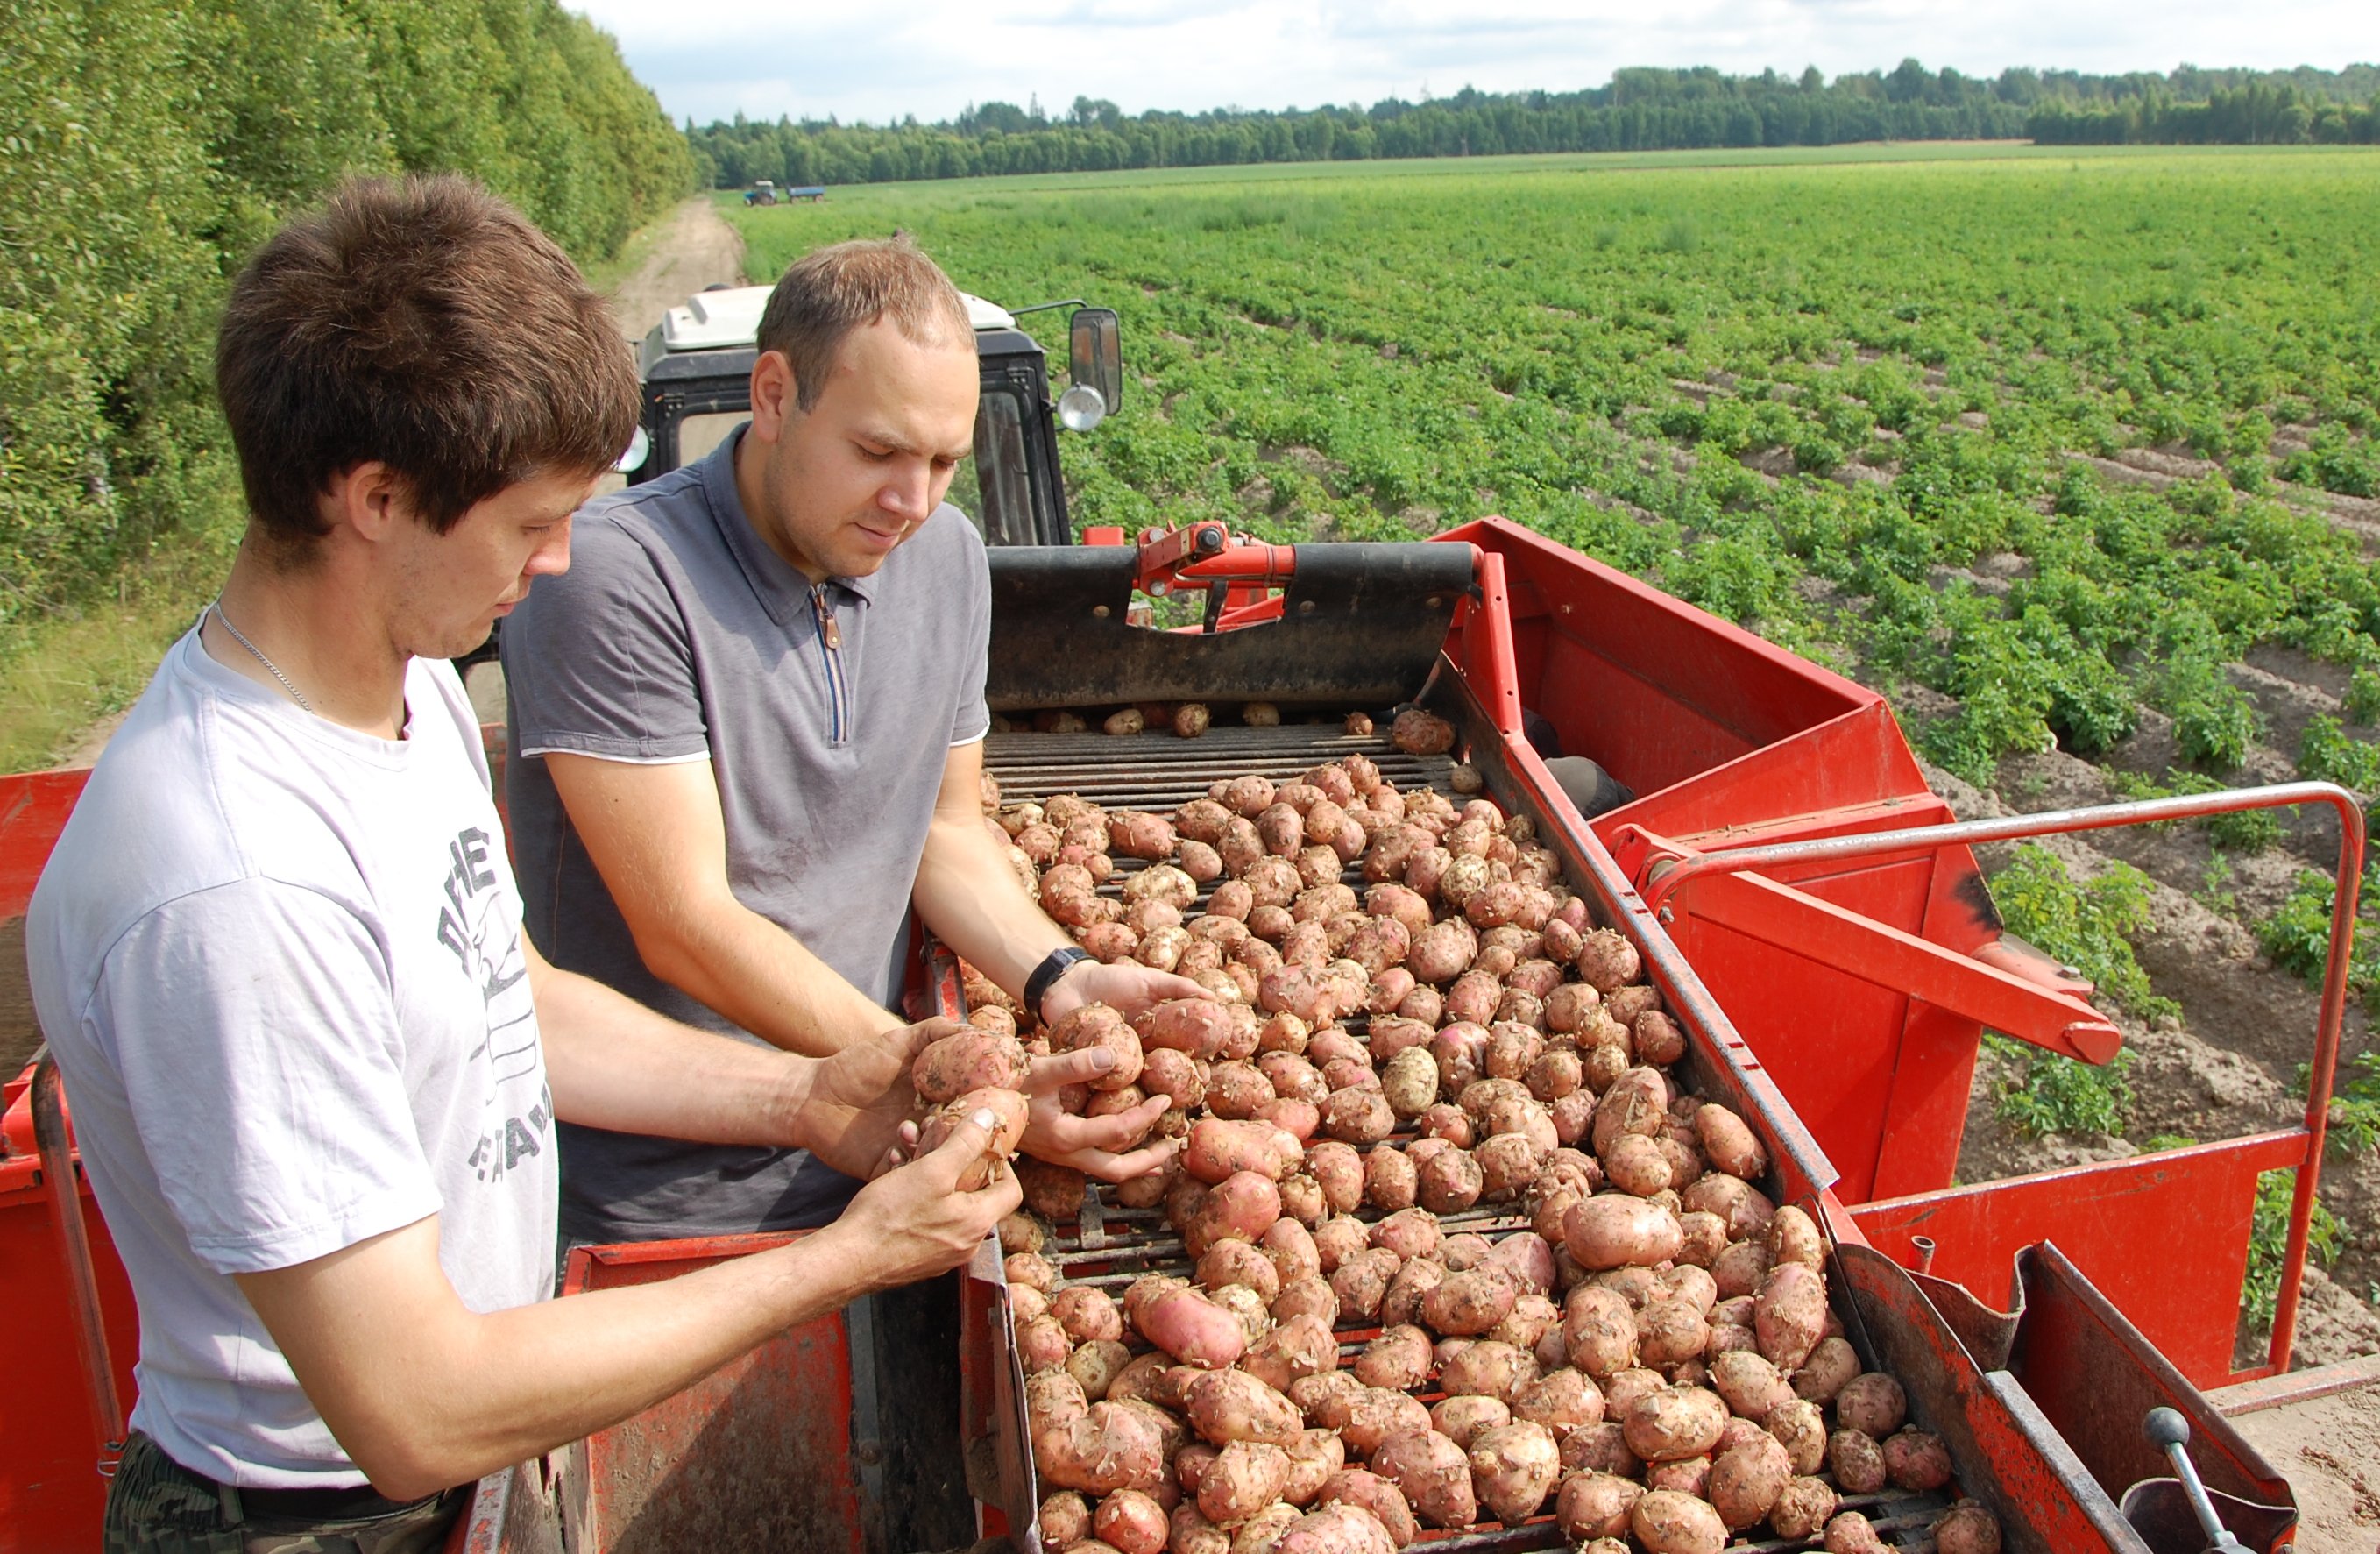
762, 192
765, 192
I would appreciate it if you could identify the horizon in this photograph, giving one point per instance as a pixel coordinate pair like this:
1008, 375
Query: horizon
939, 58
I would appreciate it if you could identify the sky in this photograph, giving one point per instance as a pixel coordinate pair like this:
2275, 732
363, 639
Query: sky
708, 59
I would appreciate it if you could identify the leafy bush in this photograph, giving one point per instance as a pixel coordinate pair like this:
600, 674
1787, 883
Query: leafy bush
2055, 1093
2361, 702
2085, 924
2335, 460
2329, 754
2268, 1242
2354, 1102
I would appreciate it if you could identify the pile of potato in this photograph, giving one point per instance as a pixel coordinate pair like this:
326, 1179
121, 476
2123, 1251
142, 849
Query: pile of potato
1652, 1358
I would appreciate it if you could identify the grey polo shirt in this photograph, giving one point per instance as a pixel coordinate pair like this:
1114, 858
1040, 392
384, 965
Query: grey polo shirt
678, 635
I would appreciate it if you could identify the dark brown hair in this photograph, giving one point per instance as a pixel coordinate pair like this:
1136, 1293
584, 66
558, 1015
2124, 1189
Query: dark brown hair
425, 324
834, 290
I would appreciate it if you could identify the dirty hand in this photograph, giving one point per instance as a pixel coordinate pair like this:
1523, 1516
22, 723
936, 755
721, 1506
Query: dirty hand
913, 1223
1098, 1147
859, 1114
1126, 987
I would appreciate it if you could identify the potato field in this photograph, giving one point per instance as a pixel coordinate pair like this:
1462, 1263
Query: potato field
2075, 454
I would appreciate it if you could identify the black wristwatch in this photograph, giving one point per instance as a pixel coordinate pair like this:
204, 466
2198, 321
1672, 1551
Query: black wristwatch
1056, 963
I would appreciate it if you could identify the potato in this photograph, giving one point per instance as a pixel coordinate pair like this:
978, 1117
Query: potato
1749, 1383
1191, 1328
1469, 1303
1746, 1482
1564, 1401
1339, 1238
1417, 733
1459, 1419
1857, 1462
1196, 1026
1510, 1161
1673, 1422
1369, 1491
1232, 1405
1237, 1262
1087, 1312
1916, 1461
1041, 1345
1527, 1258
1872, 1404
1657, 1038
1635, 1164
1967, 1528
1401, 1306
1410, 1232
1853, 1533
1336, 1529
1489, 1369
1670, 1332
1065, 1518
1599, 1330
1162, 881
1244, 1479
1388, 1180
1600, 1449
1362, 1281
1358, 1116
1607, 962
970, 1060
1739, 1268
1744, 1207
1307, 1296
1259, 1533
1130, 721
1687, 1475
1192, 719
1096, 1025
1789, 1314
1111, 1447
1220, 1148
1513, 1468
1314, 1456
1594, 1505
1009, 1112
1128, 1521
1668, 1523
1801, 1430
1433, 1474
1794, 1238
1399, 1359
1612, 1229
1377, 1415
1802, 1508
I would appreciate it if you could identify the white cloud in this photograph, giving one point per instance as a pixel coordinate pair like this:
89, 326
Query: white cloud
710, 58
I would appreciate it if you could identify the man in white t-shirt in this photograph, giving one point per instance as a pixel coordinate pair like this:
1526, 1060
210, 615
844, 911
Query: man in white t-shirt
314, 1064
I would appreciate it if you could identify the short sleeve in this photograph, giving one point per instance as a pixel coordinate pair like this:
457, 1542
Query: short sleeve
971, 717
598, 661
275, 1003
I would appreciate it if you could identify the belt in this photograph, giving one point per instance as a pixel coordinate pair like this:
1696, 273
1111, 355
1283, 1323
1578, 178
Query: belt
349, 1503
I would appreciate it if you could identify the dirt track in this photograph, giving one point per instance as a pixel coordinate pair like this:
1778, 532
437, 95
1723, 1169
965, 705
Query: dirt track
695, 249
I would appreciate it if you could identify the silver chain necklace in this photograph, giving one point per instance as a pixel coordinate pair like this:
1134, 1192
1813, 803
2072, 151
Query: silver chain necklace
295, 694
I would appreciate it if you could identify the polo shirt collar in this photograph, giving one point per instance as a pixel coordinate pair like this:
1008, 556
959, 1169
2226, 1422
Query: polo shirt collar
783, 591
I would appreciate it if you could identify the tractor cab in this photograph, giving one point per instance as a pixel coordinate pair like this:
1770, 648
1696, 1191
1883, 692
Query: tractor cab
696, 367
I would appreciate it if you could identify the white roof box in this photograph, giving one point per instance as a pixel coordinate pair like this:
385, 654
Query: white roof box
713, 320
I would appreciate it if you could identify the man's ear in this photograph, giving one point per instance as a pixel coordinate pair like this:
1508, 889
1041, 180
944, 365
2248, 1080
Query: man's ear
772, 394
366, 498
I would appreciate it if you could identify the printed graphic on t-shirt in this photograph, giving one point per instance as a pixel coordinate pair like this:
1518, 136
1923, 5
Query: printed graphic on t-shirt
486, 944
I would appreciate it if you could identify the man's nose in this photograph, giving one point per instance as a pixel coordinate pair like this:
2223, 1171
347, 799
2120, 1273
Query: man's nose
552, 558
907, 494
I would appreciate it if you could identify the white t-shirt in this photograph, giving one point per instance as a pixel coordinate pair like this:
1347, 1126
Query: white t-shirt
280, 963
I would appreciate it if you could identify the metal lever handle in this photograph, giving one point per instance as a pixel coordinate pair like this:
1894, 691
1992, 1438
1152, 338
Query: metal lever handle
2169, 1432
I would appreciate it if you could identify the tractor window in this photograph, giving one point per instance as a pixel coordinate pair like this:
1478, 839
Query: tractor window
995, 488
697, 435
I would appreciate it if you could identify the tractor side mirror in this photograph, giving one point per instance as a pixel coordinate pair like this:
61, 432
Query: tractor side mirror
1094, 350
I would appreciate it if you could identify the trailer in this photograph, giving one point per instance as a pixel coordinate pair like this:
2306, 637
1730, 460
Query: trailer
1811, 916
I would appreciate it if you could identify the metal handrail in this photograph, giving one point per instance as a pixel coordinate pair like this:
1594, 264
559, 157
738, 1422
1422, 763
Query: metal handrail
58, 1171
1665, 874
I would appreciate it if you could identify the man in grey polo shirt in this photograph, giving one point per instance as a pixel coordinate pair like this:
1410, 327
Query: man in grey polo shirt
747, 735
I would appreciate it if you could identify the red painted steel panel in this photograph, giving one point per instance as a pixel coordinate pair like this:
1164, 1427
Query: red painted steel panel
2129, 1225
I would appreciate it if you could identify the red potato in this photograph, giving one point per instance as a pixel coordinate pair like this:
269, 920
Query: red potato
1607, 961
1916, 1461
1130, 1523
1144, 1379
1449, 1181
1489, 1369
1612, 1229
1571, 1005
1601, 1449
1113, 1446
1527, 1258
1336, 1529
1237, 1262
1417, 733
1108, 942
1232, 898
1220, 1148
1410, 1232
1794, 1238
1801, 1430
1665, 1521
1673, 1422
1513, 1468
1594, 1505
1041, 1345
1009, 1112
1065, 1519
1872, 1404
970, 1060
1746, 1482
1358, 1116
1245, 1478
1309, 1295
1030, 1268
1433, 1474
1750, 1384
1744, 1207
1562, 1401
1340, 1170
1325, 1399
1191, 1328
1289, 1245
1789, 1314
1130, 721
1361, 1283
1739, 1268
1439, 953
1229, 1405
1460, 1418
1470, 1303
1599, 1330
1376, 1414
1368, 1492
1071, 896
1087, 1312
1967, 1528
1706, 1237
1234, 1091
1297, 1347
1390, 1180
1340, 1237
1805, 1507
1851, 1533
1194, 1027
1240, 1208
1670, 1332
1402, 1305
1729, 1143
1399, 1359
1096, 1025
1259, 1533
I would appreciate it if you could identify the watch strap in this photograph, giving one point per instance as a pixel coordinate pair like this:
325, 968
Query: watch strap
1055, 965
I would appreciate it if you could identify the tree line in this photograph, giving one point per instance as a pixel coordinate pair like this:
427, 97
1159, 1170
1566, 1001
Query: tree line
1639, 109
147, 145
